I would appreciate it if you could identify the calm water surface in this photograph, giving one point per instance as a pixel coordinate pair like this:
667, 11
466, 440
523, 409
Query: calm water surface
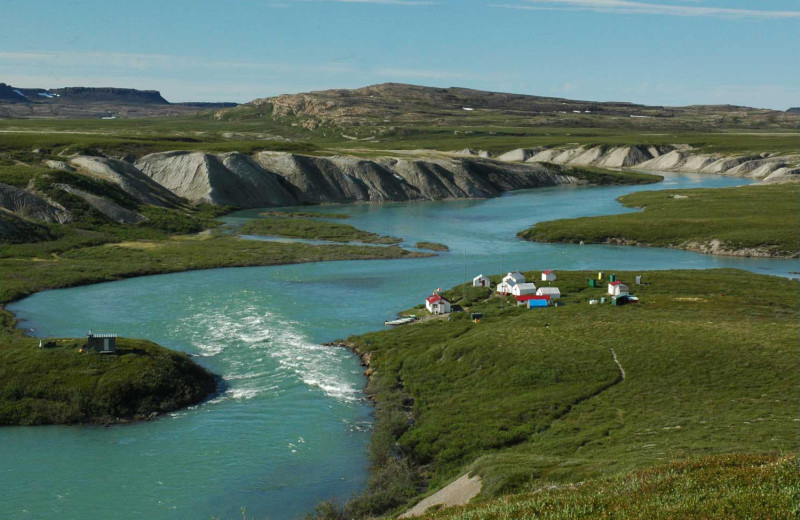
291, 425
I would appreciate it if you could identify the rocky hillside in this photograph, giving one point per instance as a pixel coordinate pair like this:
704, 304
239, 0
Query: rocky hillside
387, 108
285, 179
769, 168
95, 190
74, 102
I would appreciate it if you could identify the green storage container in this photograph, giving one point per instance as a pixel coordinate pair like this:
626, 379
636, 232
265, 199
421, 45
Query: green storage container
613, 278
592, 282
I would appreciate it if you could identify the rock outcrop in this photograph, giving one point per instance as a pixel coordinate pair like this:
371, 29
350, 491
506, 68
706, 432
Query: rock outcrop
129, 178
285, 179
231, 179
674, 158
108, 208
15, 229
28, 205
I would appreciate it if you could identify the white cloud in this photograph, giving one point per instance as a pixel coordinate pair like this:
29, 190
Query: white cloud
632, 7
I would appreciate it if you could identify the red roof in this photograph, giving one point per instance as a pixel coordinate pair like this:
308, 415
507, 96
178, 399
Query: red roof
615, 283
547, 272
433, 299
532, 297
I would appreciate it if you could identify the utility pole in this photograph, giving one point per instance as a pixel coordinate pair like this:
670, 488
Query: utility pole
465, 275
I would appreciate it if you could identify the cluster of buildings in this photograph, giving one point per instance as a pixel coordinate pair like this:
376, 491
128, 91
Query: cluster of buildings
513, 284
528, 294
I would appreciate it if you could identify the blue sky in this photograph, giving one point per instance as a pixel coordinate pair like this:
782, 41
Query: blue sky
665, 52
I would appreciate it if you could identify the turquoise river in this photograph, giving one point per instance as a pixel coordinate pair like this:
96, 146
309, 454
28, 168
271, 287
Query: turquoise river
291, 423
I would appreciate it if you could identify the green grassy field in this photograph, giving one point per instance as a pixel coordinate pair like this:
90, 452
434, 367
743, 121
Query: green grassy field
313, 229
722, 487
528, 398
755, 220
202, 132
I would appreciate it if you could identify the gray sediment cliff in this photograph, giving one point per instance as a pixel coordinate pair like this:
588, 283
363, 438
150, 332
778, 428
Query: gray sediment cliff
284, 179
766, 167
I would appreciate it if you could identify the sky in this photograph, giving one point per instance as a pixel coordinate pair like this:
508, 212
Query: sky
657, 52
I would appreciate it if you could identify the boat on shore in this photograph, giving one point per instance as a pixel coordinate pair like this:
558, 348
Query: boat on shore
400, 321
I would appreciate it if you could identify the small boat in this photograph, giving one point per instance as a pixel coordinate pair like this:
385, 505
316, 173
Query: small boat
400, 321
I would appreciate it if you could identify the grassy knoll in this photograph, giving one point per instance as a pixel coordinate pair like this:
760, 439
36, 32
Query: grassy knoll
431, 246
719, 487
528, 398
61, 385
313, 229
748, 220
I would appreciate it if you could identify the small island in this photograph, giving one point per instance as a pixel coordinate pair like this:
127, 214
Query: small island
431, 246
69, 381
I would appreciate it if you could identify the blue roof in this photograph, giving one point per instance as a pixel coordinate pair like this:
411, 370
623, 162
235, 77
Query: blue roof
537, 303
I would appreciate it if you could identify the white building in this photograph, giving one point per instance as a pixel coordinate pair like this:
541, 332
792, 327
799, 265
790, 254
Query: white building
481, 281
437, 305
618, 289
521, 289
514, 278
505, 287
548, 276
552, 292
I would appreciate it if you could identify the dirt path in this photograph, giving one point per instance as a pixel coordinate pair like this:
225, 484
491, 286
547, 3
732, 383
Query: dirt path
621, 370
456, 494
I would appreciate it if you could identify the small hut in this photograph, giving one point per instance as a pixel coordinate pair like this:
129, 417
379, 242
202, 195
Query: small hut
437, 305
481, 281
548, 276
103, 343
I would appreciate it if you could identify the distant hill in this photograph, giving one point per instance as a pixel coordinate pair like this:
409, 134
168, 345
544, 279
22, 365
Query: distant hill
73, 102
394, 107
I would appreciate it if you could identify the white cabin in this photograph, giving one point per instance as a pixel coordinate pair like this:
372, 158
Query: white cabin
514, 278
552, 292
618, 289
481, 281
506, 287
521, 289
437, 305
548, 276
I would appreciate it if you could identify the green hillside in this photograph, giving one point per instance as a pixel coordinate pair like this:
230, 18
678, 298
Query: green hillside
527, 398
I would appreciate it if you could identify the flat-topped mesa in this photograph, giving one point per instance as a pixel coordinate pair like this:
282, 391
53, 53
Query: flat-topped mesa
769, 168
285, 179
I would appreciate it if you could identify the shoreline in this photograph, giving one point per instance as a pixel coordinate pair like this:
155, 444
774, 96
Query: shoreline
711, 247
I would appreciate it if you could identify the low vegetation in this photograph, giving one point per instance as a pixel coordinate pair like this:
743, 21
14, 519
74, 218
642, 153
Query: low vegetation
532, 398
313, 229
59, 384
431, 246
602, 176
305, 214
748, 220
722, 487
